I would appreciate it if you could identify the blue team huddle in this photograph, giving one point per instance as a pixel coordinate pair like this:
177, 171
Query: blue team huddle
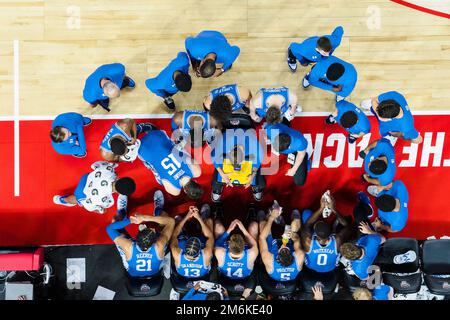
205, 258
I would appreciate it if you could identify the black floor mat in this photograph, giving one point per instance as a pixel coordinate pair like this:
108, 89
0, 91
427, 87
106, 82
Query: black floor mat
103, 267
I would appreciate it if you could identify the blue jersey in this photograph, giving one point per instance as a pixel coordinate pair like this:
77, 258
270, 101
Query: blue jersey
279, 272
158, 153
362, 124
381, 292
92, 91
187, 114
266, 93
79, 193
164, 84
371, 245
235, 268
142, 263
318, 76
115, 131
396, 219
193, 269
307, 50
405, 124
298, 141
76, 143
322, 258
232, 92
383, 148
212, 42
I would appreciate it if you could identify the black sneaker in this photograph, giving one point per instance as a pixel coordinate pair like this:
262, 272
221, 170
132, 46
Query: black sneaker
218, 213
292, 64
258, 196
251, 214
330, 120
169, 103
215, 197
261, 216
351, 139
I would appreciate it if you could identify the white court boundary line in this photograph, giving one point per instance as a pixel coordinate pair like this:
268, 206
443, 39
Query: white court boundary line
16, 121
168, 116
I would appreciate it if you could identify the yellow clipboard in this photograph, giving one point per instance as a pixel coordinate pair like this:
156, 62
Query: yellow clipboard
237, 177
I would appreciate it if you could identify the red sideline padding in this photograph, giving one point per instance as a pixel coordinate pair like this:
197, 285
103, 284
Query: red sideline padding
33, 219
26, 260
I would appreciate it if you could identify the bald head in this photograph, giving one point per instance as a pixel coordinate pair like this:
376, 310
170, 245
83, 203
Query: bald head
111, 90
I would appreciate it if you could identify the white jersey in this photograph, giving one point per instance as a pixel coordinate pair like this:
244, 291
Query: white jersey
98, 189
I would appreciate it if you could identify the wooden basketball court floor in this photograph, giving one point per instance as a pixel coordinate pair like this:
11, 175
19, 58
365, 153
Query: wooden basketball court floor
60, 42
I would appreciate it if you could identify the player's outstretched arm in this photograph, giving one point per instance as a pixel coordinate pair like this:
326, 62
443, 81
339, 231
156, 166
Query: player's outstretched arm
168, 225
266, 256
174, 246
119, 238
300, 254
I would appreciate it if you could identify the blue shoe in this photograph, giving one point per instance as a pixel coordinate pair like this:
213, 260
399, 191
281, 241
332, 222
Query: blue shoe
364, 198
80, 155
60, 200
86, 121
131, 83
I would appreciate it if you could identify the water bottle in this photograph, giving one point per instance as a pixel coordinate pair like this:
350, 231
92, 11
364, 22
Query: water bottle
286, 235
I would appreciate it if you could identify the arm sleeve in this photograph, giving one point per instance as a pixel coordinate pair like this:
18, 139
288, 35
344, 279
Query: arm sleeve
150, 84
336, 37
220, 242
189, 295
348, 86
319, 84
411, 134
81, 139
113, 228
231, 57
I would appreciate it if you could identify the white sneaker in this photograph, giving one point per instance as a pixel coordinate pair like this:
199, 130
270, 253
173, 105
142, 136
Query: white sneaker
407, 257
305, 83
122, 202
142, 227
257, 196
215, 197
292, 66
391, 139
158, 199
339, 98
366, 104
174, 295
57, 200
373, 190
